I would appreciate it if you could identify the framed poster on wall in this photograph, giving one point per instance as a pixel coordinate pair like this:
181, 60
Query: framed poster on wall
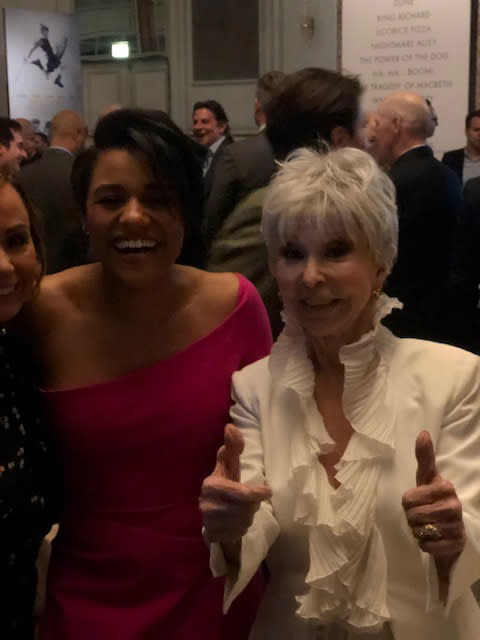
424, 46
43, 65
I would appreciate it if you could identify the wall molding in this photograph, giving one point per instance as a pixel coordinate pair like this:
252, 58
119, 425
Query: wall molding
177, 53
271, 35
179, 48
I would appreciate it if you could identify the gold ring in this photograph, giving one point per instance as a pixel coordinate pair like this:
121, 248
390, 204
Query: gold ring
429, 532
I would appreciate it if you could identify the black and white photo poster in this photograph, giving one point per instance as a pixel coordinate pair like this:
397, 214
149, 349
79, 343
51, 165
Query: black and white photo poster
43, 65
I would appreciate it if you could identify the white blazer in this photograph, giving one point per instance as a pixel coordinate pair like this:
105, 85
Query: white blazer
346, 556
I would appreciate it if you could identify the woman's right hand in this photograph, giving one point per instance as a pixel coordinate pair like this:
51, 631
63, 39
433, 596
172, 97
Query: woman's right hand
227, 505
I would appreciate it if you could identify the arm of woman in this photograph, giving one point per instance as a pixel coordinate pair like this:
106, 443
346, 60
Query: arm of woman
255, 334
240, 560
448, 492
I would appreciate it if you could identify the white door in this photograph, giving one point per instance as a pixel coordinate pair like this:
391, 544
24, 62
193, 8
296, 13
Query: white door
149, 80
104, 84
130, 83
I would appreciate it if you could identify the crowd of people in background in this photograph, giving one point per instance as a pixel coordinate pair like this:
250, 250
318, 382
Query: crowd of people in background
331, 491
437, 273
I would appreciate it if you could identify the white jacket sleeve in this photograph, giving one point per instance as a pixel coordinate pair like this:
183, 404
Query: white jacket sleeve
458, 460
262, 533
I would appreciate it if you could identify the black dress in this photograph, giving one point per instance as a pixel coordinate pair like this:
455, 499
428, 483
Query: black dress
25, 477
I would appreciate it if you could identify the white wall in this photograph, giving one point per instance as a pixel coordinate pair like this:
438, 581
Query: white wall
131, 83
236, 96
322, 50
281, 47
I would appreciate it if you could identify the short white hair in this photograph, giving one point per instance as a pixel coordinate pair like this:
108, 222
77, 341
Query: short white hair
342, 191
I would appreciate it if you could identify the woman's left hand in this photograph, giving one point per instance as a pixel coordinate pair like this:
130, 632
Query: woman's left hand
434, 511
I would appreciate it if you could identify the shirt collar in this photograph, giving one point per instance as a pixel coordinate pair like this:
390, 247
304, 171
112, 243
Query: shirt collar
470, 157
62, 149
214, 147
291, 366
415, 146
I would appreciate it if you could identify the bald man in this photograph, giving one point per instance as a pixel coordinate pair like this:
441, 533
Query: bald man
428, 198
47, 183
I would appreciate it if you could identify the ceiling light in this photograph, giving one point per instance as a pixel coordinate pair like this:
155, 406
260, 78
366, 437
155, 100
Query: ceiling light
120, 49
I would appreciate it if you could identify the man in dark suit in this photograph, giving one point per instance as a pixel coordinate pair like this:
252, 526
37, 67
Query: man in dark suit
212, 130
465, 162
47, 183
428, 198
465, 277
242, 166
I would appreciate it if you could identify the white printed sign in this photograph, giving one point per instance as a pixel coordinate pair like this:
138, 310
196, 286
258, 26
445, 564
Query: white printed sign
416, 45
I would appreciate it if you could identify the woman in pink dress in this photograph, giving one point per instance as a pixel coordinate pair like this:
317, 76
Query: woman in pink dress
136, 355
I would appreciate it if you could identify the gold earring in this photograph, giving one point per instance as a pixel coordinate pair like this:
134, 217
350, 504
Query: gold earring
376, 293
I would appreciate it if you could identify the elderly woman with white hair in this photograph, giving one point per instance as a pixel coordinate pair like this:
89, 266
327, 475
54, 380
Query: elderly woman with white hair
368, 524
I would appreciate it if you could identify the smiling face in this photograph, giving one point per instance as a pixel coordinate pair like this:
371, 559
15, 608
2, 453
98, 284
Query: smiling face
327, 284
206, 128
136, 229
19, 265
12, 156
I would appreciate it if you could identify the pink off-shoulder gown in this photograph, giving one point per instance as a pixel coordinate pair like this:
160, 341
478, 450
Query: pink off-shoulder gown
129, 562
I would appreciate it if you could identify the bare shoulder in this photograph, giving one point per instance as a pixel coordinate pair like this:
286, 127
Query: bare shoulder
59, 294
222, 287
215, 292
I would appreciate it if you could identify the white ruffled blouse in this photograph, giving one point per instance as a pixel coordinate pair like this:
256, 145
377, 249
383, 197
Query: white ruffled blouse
340, 556
347, 574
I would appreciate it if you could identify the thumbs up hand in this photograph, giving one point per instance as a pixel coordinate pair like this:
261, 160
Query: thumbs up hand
227, 505
433, 509
228, 456
426, 461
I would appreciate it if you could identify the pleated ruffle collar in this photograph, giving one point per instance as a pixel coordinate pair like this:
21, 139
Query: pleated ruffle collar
347, 576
